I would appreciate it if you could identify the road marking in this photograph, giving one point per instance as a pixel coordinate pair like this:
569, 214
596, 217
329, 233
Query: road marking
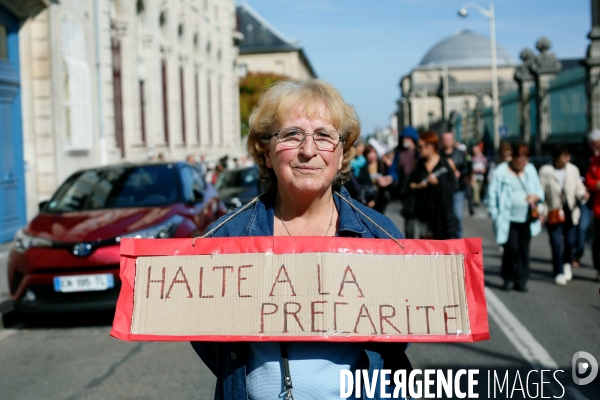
519, 336
535, 354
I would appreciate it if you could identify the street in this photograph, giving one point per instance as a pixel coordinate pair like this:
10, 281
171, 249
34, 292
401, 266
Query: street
75, 358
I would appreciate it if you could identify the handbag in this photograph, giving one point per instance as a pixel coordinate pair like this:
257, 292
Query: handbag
534, 213
556, 216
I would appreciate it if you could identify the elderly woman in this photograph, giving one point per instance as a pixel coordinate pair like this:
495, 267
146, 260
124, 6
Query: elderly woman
513, 196
301, 137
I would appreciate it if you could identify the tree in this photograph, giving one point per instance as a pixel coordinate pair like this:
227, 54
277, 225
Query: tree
251, 87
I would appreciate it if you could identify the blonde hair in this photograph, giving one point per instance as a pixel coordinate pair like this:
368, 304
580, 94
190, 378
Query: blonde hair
306, 97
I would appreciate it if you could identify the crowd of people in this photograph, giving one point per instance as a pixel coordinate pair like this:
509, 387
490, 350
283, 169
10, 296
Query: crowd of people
433, 176
322, 180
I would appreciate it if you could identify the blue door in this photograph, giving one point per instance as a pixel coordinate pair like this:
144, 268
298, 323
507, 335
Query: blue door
12, 174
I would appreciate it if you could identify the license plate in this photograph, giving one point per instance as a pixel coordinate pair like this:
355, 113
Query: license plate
83, 283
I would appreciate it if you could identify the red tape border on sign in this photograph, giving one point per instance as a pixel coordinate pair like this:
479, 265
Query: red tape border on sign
471, 249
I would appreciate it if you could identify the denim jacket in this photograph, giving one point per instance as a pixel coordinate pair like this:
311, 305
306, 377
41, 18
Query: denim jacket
228, 360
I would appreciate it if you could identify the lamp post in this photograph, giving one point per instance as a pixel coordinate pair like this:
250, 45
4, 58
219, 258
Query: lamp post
445, 92
495, 107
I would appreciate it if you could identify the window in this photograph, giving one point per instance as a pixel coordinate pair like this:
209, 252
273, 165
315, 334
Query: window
220, 109
139, 29
193, 185
197, 98
165, 101
182, 96
209, 108
77, 103
237, 178
180, 32
148, 186
3, 42
117, 94
143, 111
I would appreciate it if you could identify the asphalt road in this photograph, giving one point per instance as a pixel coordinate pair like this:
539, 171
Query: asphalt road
75, 358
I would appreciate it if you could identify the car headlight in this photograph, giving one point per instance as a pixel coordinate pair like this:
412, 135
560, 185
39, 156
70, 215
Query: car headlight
163, 230
24, 241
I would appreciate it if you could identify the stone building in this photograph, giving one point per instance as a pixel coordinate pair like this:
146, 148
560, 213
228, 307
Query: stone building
13, 211
264, 49
109, 81
457, 69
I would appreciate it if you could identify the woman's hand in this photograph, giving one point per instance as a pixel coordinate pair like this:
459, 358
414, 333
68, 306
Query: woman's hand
532, 199
586, 196
432, 180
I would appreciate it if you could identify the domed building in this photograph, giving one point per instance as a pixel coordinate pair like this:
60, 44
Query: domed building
462, 60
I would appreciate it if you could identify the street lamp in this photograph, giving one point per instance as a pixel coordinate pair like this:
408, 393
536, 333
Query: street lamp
490, 15
445, 93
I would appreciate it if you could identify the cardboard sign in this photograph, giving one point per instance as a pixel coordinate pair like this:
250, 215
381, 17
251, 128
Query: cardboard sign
301, 289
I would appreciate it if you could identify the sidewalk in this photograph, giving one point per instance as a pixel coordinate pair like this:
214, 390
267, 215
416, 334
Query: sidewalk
6, 304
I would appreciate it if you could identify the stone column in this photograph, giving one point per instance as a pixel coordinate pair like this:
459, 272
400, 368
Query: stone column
526, 81
466, 122
592, 63
544, 68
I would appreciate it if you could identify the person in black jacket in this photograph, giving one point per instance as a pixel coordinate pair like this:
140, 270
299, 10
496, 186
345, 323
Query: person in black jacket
405, 158
433, 183
462, 172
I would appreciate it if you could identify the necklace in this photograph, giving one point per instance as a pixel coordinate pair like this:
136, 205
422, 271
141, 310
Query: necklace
287, 230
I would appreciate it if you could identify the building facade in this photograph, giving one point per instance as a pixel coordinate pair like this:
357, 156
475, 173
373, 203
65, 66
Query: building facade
264, 49
110, 81
13, 210
453, 78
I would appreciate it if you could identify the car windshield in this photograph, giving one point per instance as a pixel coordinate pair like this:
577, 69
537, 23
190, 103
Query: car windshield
118, 187
237, 178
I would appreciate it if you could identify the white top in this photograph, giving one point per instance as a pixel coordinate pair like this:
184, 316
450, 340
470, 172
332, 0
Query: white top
560, 175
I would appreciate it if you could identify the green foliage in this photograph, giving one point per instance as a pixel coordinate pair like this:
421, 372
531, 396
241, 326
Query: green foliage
251, 87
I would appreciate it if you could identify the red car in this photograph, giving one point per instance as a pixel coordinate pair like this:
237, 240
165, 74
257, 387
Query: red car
67, 257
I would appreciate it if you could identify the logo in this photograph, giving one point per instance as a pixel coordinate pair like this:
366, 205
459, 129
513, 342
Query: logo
581, 368
82, 249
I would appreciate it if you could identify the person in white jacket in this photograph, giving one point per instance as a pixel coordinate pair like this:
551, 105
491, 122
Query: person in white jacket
563, 191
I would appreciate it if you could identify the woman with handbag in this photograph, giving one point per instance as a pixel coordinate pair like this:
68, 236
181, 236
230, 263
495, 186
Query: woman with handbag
513, 197
563, 189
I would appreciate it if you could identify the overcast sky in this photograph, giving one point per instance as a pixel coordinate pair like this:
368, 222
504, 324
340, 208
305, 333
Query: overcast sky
364, 47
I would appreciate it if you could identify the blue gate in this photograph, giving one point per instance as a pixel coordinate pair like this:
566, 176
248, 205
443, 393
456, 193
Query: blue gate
12, 174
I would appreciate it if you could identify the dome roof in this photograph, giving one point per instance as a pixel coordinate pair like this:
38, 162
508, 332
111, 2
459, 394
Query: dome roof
464, 49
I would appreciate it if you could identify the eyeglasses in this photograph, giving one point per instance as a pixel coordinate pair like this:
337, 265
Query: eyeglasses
292, 138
